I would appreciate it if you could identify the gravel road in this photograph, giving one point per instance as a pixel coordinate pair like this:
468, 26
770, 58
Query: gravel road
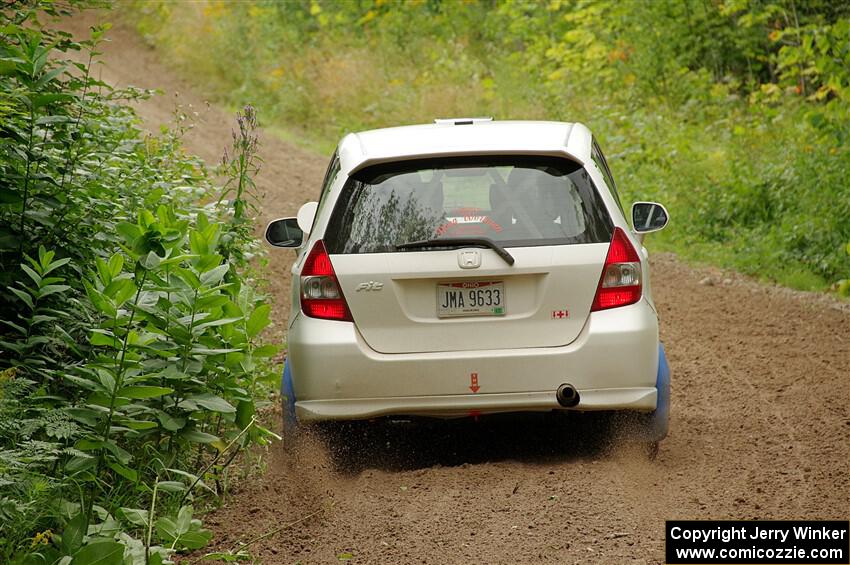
759, 428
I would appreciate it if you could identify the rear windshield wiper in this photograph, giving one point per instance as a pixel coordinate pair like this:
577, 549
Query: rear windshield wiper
461, 242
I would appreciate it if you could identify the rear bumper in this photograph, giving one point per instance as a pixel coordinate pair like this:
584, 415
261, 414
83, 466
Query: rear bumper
613, 364
453, 406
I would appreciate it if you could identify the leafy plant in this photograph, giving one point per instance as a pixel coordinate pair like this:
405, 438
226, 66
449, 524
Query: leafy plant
183, 532
131, 360
37, 335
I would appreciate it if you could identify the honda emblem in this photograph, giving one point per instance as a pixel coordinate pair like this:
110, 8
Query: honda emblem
469, 259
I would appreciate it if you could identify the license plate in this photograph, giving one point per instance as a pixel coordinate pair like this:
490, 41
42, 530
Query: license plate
471, 298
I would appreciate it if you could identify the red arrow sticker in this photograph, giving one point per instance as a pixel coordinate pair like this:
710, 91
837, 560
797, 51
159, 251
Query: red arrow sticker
473, 382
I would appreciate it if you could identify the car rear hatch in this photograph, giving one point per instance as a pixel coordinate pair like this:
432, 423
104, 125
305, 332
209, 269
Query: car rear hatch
468, 253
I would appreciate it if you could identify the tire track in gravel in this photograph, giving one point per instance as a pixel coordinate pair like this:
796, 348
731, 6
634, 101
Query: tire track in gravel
759, 428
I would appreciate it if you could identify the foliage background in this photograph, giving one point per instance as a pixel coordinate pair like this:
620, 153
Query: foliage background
734, 113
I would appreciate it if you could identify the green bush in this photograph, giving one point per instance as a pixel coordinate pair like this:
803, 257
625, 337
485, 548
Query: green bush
131, 361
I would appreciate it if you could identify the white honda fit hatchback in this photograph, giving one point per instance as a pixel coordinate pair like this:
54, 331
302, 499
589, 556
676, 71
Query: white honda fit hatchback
471, 267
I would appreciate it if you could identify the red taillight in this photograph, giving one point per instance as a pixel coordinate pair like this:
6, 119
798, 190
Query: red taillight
321, 296
621, 277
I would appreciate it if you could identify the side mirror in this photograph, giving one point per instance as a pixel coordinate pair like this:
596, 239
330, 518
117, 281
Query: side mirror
648, 217
284, 233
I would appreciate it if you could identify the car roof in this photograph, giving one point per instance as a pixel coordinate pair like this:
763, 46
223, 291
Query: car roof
464, 137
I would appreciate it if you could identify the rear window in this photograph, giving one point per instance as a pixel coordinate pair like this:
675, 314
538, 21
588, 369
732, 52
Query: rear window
515, 201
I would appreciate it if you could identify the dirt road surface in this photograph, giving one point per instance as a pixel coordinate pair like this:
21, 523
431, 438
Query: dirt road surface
759, 428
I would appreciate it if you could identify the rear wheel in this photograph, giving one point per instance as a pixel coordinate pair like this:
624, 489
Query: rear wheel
648, 429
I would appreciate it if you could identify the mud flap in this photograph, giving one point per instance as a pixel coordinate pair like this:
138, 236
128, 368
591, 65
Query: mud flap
287, 400
660, 419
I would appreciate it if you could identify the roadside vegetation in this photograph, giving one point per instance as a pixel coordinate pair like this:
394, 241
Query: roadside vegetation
734, 113
131, 363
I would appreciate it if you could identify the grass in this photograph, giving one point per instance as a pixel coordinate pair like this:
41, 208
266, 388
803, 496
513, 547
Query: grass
703, 253
303, 140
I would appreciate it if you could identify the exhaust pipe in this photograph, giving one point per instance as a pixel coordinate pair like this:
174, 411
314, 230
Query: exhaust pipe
567, 396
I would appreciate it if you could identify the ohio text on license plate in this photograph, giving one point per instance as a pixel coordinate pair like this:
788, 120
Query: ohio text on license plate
471, 298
